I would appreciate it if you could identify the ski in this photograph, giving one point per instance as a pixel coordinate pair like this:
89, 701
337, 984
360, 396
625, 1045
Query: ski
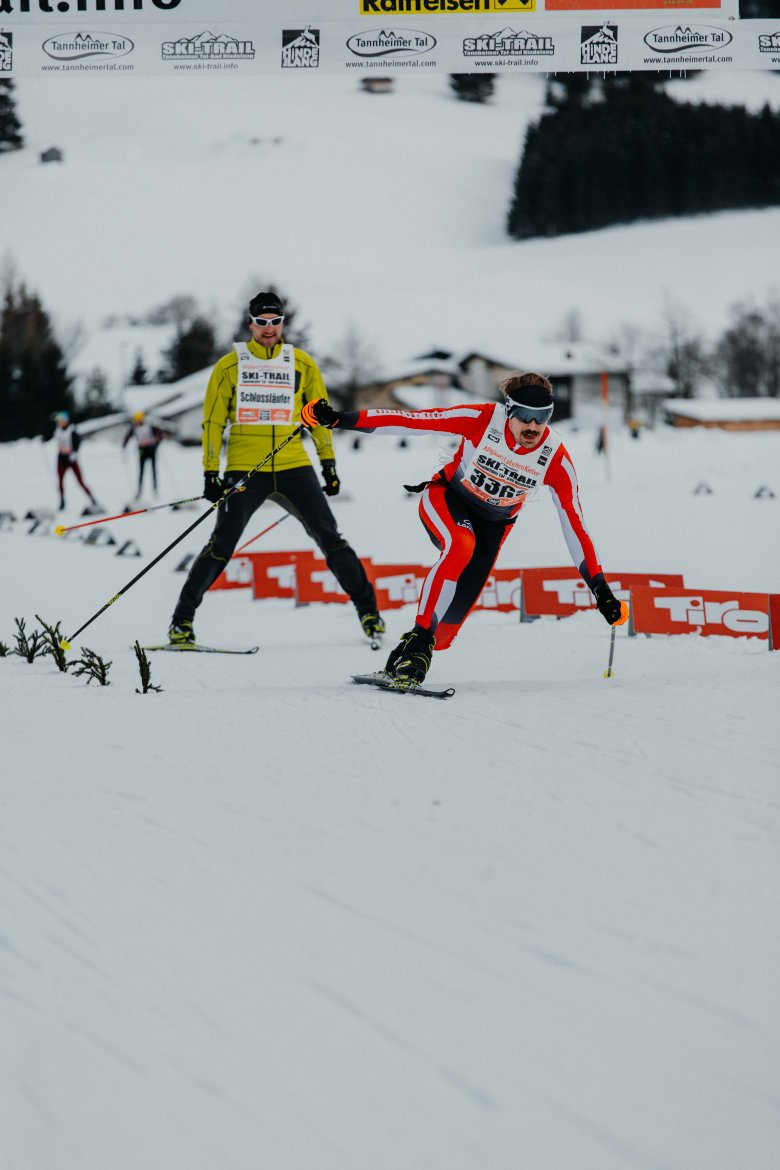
386, 683
195, 648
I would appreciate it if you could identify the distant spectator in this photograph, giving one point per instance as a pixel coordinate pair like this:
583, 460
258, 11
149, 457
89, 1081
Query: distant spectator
148, 437
68, 443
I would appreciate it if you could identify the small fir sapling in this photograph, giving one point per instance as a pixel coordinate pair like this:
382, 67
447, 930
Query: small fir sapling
145, 668
53, 636
29, 648
93, 666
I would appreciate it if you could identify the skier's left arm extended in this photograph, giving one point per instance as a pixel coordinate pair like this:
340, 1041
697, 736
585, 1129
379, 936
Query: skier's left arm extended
466, 421
562, 482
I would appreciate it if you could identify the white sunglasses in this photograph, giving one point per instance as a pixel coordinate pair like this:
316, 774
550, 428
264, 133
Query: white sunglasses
274, 321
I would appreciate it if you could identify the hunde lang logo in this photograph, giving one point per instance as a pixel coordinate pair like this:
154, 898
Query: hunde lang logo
300, 48
598, 44
6, 51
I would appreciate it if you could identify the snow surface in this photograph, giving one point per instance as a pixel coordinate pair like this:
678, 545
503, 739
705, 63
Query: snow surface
269, 919
266, 920
381, 212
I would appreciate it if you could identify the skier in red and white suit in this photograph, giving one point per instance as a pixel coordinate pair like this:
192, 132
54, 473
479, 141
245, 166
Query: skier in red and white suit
507, 452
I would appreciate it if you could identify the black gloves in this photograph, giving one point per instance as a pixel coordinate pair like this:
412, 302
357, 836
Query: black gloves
332, 481
607, 604
212, 486
319, 413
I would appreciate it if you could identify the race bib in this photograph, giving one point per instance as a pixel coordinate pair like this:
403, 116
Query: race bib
265, 390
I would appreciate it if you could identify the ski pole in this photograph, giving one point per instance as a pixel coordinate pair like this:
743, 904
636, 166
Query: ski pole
61, 529
268, 529
624, 612
66, 643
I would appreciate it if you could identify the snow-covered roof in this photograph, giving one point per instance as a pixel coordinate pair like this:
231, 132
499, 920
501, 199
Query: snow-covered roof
169, 399
725, 409
649, 382
425, 397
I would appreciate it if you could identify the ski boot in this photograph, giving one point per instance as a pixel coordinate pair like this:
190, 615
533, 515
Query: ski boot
181, 633
373, 625
409, 663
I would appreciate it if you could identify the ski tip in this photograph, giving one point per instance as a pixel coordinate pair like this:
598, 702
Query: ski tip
59, 530
65, 644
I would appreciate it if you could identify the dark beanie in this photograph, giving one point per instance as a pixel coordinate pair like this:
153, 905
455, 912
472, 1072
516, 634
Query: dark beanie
265, 302
529, 389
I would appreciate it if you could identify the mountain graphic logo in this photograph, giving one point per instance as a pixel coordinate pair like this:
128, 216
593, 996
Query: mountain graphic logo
671, 38
300, 48
599, 44
508, 43
397, 42
6, 51
78, 46
208, 46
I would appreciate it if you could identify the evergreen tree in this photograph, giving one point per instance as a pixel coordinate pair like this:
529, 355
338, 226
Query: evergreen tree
139, 375
34, 381
621, 151
193, 349
747, 355
10, 126
96, 401
472, 87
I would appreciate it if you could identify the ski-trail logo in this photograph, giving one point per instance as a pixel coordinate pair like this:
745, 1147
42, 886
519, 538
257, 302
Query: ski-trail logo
769, 43
206, 46
599, 44
77, 46
508, 43
6, 51
300, 48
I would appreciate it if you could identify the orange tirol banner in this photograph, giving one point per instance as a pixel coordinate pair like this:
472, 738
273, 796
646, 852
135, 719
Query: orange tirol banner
561, 592
705, 612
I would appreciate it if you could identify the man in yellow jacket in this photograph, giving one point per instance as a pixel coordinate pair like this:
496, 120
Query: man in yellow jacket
259, 388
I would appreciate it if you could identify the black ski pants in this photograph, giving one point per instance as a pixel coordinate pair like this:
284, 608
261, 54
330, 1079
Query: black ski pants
147, 455
299, 492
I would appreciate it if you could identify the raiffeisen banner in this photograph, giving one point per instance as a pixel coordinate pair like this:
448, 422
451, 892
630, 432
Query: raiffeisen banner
378, 39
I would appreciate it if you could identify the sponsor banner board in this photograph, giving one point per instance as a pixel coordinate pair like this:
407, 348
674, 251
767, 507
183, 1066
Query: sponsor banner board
315, 582
701, 611
382, 41
237, 574
774, 621
561, 592
275, 573
501, 591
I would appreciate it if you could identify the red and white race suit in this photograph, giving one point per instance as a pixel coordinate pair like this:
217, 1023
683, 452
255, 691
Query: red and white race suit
469, 506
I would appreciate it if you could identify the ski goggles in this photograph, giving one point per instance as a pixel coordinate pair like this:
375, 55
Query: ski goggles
532, 414
267, 321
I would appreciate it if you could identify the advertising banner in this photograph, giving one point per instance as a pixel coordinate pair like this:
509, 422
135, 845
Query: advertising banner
237, 574
701, 611
377, 41
561, 592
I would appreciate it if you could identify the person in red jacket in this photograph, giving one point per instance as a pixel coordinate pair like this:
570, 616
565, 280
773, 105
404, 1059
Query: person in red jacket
506, 453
